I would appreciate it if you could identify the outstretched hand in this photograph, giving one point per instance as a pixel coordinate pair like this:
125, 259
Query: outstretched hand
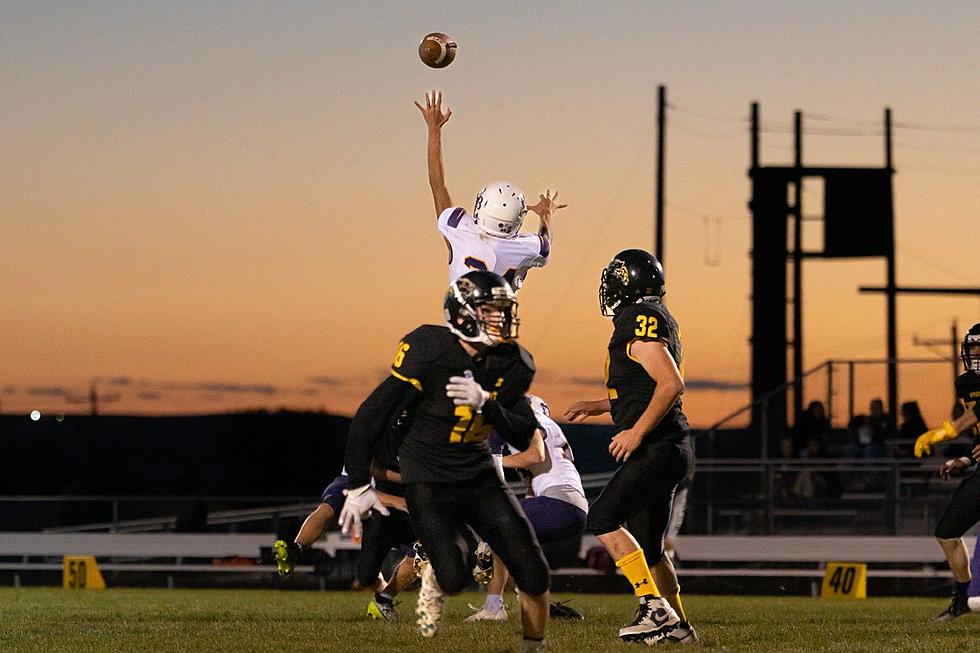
582, 410
547, 205
432, 111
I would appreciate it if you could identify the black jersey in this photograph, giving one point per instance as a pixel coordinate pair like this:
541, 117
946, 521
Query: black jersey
968, 393
628, 384
445, 442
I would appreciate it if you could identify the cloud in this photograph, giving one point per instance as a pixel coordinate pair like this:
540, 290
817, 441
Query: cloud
218, 387
327, 380
715, 384
235, 388
48, 391
121, 381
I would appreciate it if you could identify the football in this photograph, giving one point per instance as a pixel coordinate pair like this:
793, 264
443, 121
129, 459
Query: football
437, 50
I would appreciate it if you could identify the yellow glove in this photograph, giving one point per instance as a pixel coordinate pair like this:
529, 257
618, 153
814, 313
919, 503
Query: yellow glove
923, 443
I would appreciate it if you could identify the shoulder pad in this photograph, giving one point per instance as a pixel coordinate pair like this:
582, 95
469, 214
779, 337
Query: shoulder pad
526, 357
426, 340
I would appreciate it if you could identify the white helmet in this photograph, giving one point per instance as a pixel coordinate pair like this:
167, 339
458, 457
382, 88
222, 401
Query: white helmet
500, 210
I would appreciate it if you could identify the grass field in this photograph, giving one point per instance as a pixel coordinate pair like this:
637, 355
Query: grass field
258, 620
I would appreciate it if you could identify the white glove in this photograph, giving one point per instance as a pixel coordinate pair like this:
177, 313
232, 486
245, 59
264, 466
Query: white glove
465, 391
358, 504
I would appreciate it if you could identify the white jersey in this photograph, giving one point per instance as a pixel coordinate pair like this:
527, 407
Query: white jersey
557, 476
470, 249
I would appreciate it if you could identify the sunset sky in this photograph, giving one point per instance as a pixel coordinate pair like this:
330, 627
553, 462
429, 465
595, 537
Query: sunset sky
214, 206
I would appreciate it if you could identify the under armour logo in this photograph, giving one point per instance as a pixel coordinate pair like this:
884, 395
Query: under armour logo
642, 582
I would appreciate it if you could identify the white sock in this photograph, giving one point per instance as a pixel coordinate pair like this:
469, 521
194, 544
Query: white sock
494, 602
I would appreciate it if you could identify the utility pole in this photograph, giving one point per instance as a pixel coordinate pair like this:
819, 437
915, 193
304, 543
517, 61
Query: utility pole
798, 269
891, 292
659, 203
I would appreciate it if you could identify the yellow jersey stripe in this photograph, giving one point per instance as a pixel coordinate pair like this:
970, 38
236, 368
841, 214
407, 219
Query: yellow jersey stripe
406, 379
629, 351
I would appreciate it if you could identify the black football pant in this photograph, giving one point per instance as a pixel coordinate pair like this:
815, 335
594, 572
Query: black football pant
440, 513
381, 534
641, 492
963, 510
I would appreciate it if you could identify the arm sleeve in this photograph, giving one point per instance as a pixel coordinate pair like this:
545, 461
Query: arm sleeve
516, 425
449, 219
370, 423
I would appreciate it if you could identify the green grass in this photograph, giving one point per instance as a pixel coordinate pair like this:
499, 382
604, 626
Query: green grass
259, 620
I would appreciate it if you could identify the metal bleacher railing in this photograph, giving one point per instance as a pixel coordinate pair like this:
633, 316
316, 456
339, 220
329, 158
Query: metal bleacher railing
745, 496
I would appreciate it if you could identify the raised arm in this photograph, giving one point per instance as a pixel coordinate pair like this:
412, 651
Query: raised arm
434, 120
545, 210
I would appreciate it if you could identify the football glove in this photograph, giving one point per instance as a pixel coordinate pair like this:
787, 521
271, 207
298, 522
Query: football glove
465, 391
923, 443
358, 505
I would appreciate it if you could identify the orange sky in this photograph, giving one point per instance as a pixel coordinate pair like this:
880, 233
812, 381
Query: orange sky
226, 207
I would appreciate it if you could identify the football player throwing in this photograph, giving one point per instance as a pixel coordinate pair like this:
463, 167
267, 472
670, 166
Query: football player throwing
489, 238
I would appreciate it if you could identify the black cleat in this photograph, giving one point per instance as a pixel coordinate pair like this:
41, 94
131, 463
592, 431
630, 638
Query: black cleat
562, 611
957, 608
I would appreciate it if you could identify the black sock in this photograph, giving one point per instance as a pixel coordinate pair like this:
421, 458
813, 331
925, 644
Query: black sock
961, 588
380, 597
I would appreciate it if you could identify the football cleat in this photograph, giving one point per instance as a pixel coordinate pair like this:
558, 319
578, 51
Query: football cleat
285, 554
958, 606
561, 610
483, 569
421, 560
482, 614
680, 633
654, 617
428, 610
381, 610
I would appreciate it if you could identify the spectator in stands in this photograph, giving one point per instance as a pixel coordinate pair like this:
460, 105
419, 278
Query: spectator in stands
867, 433
813, 425
880, 421
911, 427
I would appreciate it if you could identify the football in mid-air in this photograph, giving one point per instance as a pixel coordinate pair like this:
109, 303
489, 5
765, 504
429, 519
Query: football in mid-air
437, 50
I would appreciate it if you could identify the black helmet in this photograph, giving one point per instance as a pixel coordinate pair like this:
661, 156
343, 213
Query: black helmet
466, 306
632, 275
970, 349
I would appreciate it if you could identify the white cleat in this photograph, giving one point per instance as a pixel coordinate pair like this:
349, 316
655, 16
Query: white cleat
428, 610
486, 615
654, 618
680, 633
